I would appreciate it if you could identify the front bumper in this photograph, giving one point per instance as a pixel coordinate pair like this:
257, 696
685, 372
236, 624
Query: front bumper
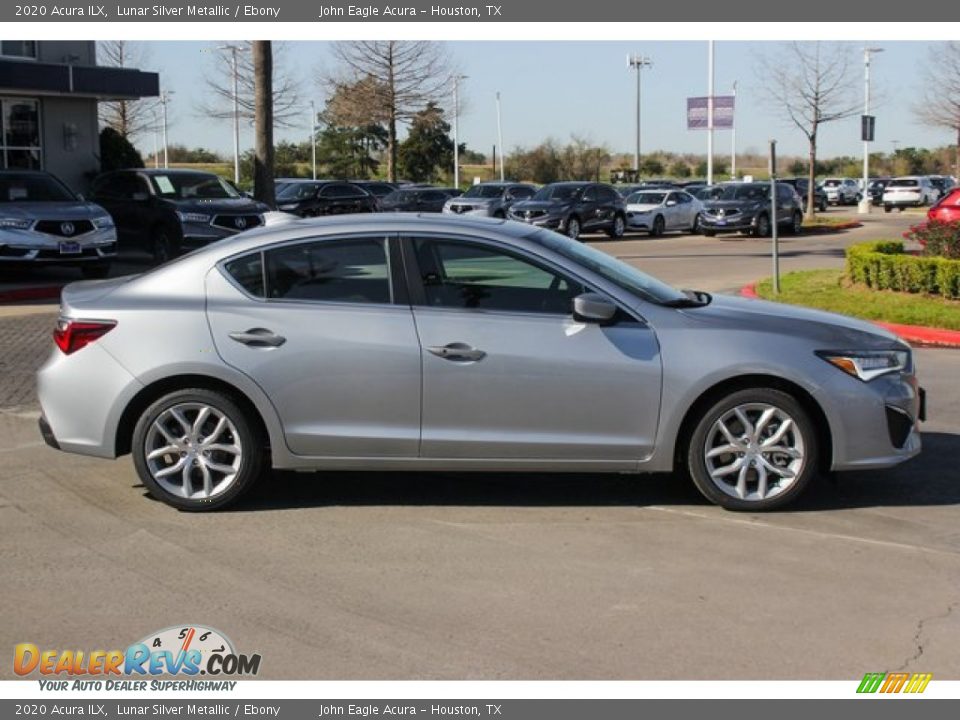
731, 223
38, 248
551, 222
469, 210
638, 221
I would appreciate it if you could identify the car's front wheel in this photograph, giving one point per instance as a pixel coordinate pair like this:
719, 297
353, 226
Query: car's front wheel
762, 228
573, 228
618, 228
162, 245
754, 449
196, 449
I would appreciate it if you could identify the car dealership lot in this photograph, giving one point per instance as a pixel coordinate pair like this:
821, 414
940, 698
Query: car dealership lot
501, 576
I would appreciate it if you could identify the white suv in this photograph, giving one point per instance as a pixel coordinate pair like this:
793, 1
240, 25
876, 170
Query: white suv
910, 191
841, 191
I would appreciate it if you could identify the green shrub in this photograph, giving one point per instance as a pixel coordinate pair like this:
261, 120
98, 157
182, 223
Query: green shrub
883, 265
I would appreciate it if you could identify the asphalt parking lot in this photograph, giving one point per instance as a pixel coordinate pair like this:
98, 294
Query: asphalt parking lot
495, 576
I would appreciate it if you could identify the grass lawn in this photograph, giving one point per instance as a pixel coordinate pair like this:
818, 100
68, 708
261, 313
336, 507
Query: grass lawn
827, 221
829, 290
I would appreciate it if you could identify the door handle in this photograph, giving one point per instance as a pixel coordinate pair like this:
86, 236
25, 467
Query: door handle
258, 337
458, 352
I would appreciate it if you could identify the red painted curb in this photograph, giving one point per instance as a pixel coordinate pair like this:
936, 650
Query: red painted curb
30, 293
940, 337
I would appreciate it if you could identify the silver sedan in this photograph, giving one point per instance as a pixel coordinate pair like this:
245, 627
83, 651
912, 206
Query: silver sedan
388, 342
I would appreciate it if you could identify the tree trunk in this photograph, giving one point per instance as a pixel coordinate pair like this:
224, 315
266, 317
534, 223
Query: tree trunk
812, 177
392, 147
263, 189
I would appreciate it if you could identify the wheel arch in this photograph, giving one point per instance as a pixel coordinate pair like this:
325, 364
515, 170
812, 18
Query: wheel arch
746, 382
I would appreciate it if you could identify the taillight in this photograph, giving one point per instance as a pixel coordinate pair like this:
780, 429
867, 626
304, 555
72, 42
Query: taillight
72, 335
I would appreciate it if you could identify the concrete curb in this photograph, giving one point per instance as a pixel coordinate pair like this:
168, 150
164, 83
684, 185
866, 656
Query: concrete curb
915, 334
30, 293
816, 229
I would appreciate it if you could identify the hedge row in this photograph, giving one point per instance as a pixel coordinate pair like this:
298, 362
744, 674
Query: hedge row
883, 265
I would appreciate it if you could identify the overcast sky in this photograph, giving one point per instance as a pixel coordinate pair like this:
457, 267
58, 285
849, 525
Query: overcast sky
555, 89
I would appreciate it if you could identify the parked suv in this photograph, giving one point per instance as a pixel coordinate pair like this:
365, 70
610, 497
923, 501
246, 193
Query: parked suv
943, 185
311, 198
909, 191
574, 207
415, 199
167, 211
745, 207
800, 184
42, 222
491, 199
841, 191
875, 189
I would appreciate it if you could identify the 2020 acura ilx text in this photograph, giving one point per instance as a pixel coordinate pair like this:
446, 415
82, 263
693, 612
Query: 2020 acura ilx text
395, 342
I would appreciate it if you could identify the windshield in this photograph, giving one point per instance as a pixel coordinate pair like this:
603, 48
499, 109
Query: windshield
297, 191
832, 183
743, 192
30, 187
484, 191
557, 192
646, 198
192, 186
616, 271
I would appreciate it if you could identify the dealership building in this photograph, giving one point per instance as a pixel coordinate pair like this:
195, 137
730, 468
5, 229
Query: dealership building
49, 92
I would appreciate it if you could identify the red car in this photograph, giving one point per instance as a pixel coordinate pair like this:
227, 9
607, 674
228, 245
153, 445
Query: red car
947, 209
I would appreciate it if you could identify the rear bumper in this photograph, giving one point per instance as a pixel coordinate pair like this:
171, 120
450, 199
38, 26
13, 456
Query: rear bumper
47, 432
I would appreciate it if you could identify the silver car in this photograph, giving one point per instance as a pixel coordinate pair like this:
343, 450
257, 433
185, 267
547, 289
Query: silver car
490, 199
42, 222
659, 211
393, 342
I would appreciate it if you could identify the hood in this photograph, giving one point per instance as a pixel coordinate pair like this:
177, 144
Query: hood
732, 204
830, 330
523, 205
231, 206
641, 207
68, 210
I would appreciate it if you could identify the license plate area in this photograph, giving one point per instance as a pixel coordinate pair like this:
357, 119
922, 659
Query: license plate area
70, 248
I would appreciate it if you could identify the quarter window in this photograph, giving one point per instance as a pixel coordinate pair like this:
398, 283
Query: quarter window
473, 277
352, 271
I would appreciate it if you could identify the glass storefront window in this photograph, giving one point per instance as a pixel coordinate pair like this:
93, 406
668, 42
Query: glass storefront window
18, 48
20, 145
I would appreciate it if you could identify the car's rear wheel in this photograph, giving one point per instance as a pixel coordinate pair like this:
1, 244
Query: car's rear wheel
573, 228
823, 206
196, 449
796, 223
618, 228
96, 271
754, 449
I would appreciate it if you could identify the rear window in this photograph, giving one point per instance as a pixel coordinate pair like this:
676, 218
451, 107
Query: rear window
904, 183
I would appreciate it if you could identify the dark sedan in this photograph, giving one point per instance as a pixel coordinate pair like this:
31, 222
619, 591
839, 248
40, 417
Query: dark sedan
312, 198
574, 207
416, 199
167, 211
745, 207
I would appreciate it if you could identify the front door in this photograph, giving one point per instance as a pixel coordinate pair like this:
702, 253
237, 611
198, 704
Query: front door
508, 372
319, 327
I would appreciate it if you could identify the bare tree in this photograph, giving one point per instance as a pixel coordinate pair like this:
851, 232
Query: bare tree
388, 82
287, 106
940, 106
130, 118
812, 84
263, 188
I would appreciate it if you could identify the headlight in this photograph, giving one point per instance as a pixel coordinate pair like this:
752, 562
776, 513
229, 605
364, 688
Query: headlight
288, 206
15, 224
193, 217
103, 222
869, 364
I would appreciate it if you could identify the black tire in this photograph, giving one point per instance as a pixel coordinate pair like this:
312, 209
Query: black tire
796, 223
163, 246
823, 206
248, 436
763, 226
618, 228
96, 271
695, 228
695, 452
887, 208
656, 230
573, 228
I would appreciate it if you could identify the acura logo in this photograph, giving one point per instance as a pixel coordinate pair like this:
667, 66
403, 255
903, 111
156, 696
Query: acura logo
67, 228
528, 214
240, 223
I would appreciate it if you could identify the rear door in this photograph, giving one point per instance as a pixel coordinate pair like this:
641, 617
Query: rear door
324, 328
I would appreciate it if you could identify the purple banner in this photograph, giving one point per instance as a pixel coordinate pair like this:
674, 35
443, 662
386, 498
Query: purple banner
697, 111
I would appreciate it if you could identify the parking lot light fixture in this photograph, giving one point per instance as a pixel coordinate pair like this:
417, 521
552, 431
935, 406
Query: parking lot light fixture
638, 63
500, 137
233, 50
164, 99
456, 128
313, 137
864, 206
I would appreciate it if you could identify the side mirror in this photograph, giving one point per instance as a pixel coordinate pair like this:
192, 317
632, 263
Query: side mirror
671, 203
139, 197
592, 307
81, 198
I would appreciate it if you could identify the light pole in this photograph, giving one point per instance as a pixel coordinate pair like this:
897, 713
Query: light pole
234, 49
313, 137
456, 129
638, 63
710, 112
500, 137
864, 207
164, 99
733, 136
156, 147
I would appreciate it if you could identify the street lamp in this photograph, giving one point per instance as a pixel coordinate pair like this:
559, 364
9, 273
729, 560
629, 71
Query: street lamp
313, 137
233, 50
733, 136
500, 137
864, 207
164, 99
638, 63
456, 129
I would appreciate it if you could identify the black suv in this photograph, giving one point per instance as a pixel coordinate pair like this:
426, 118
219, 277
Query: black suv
574, 207
800, 184
875, 189
312, 198
167, 211
745, 207
416, 199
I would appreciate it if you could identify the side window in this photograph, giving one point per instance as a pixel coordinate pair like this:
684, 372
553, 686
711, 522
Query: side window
432, 196
521, 193
247, 272
590, 195
682, 198
354, 271
472, 276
